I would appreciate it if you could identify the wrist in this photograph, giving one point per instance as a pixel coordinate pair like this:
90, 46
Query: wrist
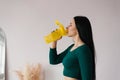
53, 44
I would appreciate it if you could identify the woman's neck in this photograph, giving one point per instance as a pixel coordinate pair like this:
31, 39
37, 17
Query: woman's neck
77, 41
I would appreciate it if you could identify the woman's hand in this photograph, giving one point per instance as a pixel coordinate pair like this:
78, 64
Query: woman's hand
54, 44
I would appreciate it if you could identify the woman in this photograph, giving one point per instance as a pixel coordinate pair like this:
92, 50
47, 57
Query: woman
79, 58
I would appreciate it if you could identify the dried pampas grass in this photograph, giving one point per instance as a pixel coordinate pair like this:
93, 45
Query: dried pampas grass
30, 73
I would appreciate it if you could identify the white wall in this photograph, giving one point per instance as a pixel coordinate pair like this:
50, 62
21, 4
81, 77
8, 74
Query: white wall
26, 22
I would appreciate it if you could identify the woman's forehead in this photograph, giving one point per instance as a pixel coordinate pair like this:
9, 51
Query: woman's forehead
72, 21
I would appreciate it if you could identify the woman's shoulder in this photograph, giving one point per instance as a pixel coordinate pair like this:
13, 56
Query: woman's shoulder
84, 49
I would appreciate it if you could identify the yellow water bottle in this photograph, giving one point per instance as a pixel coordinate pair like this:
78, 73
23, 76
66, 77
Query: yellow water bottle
56, 34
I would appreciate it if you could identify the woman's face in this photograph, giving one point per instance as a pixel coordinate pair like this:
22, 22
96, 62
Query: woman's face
72, 30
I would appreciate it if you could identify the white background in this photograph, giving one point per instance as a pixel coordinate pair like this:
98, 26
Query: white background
26, 22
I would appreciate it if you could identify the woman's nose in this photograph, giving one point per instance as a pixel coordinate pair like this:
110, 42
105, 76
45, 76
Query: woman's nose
67, 27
